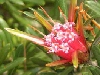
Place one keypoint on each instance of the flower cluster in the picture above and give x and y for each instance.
(64, 40)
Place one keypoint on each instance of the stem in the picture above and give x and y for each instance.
(71, 13)
(25, 66)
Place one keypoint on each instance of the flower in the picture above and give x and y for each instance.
(64, 40)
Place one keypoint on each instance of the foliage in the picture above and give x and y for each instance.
(21, 57)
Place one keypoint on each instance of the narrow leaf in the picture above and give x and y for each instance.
(96, 53)
(35, 2)
(19, 51)
(94, 70)
(48, 73)
(29, 14)
(94, 6)
(56, 13)
(26, 36)
(11, 65)
(63, 5)
(43, 21)
(19, 2)
(4, 52)
(97, 39)
(86, 71)
(67, 70)
(6, 35)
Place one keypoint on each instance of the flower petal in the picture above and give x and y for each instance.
(67, 56)
(78, 45)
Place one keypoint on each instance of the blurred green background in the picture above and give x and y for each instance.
(21, 57)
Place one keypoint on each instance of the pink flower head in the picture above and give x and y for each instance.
(64, 40)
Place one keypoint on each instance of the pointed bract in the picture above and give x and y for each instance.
(71, 13)
(75, 59)
(56, 63)
(80, 25)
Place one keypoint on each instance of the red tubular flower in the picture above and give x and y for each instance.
(64, 41)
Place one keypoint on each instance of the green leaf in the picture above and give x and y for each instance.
(31, 50)
(3, 53)
(27, 73)
(19, 2)
(7, 36)
(26, 36)
(94, 6)
(86, 71)
(16, 14)
(40, 58)
(2, 1)
(96, 52)
(35, 70)
(19, 51)
(3, 23)
(3, 39)
(12, 64)
(48, 73)
(63, 6)
(35, 2)
(56, 12)
(97, 39)
(94, 70)
(12, 8)
(29, 14)
(21, 19)
(67, 70)
(38, 61)
(49, 0)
